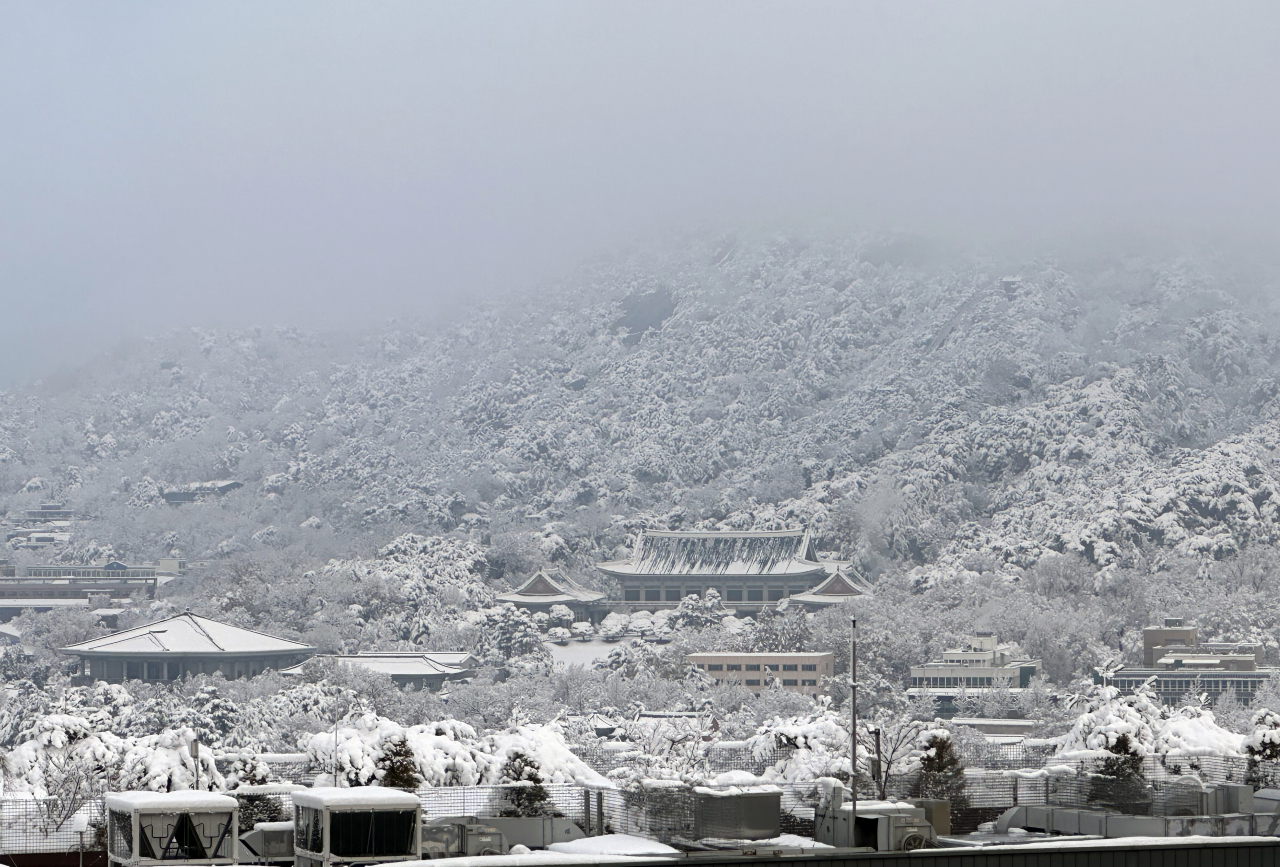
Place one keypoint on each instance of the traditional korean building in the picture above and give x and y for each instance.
(748, 570)
(185, 644)
(843, 584)
(406, 668)
(545, 589)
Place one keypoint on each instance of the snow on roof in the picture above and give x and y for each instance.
(543, 588)
(777, 552)
(366, 797)
(273, 826)
(536, 858)
(187, 801)
(613, 844)
(267, 789)
(403, 664)
(838, 587)
(188, 633)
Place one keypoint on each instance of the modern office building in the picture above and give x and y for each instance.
(67, 581)
(1176, 662)
(984, 664)
(796, 672)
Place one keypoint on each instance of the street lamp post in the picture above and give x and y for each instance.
(853, 726)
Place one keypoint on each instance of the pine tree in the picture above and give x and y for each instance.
(1119, 781)
(398, 765)
(941, 772)
(527, 797)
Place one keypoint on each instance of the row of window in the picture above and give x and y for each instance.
(750, 666)
(786, 681)
(49, 594)
(1182, 685)
(728, 594)
(956, 681)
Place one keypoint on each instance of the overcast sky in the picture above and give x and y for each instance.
(169, 164)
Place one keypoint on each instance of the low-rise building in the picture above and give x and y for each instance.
(50, 513)
(185, 644)
(197, 491)
(748, 570)
(63, 581)
(546, 589)
(1176, 662)
(421, 670)
(985, 664)
(796, 672)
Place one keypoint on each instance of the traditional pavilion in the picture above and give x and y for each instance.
(421, 670)
(748, 570)
(185, 644)
(547, 588)
(843, 584)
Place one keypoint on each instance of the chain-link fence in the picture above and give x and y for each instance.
(718, 758)
(1002, 756)
(676, 813)
(48, 825)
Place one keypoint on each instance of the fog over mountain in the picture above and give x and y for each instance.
(327, 166)
(341, 324)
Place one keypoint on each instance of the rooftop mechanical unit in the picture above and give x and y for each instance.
(156, 827)
(365, 825)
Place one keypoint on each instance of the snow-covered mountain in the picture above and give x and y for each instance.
(917, 407)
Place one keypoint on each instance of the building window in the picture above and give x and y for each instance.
(732, 667)
(788, 668)
(753, 682)
(652, 594)
(755, 594)
(808, 683)
(769, 666)
(753, 666)
(631, 594)
(734, 594)
(174, 672)
(716, 667)
(776, 593)
(795, 591)
(673, 594)
(154, 670)
(808, 668)
(789, 681)
(701, 666)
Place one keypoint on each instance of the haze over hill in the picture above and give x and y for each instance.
(912, 404)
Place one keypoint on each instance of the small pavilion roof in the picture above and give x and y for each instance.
(841, 585)
(781, 553)
(545, 588)
(188, 634)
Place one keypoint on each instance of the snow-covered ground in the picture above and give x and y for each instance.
(581, 652)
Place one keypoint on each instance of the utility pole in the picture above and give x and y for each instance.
(879, 775)
(853, 727)
(195, 760)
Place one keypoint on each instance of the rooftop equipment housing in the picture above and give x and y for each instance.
(366, 825)
(158, 827)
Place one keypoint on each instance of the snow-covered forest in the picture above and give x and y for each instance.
(1062, 449)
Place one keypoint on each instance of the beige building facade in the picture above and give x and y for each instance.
(795, 672)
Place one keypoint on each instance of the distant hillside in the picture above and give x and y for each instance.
(912, 405)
